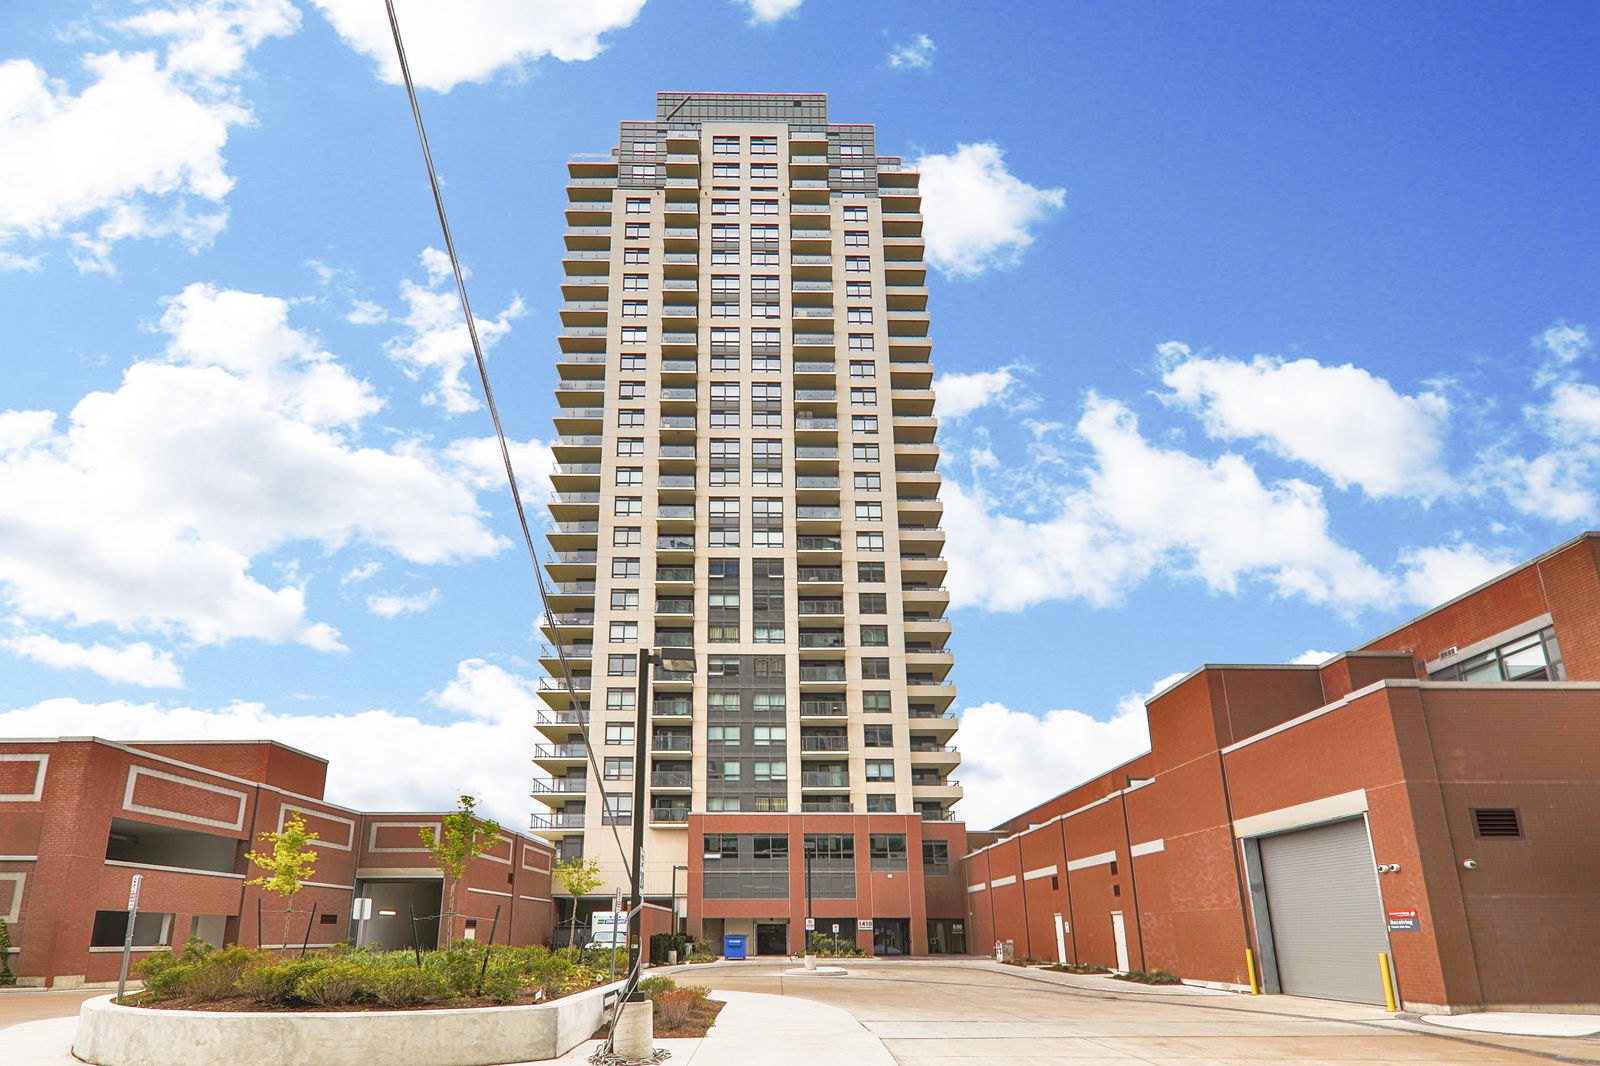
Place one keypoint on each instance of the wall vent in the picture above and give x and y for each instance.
(1496, 821)
(1448, 652)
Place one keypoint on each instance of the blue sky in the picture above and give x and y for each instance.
(1260, 328)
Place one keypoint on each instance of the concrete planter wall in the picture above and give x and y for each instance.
(113, 1035)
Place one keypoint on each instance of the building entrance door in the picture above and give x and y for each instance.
(772, 939)
(891, 936)
(1119, 930)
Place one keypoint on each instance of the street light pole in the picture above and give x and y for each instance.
(641, 756)
(676, 928)
(811, 918)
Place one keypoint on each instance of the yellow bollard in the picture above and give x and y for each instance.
(1250, 968)
(1388, 983)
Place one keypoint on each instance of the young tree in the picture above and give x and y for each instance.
(578, 877)
(287, 865)
(464, 836)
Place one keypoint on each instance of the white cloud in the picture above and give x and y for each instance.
(478, 461)
(212, 38)
(473, 40)
(365, 313)
(137, 153)
(1343, 421)
(978, 215)
(1435, 575)
(379, 760)
(1558, 484)
(770, 10)
(958, 395)
(916, 54)
(438, 347)
(1011, 760)
(133, 664)
(148, 509)
(1566, 343)
(1312, 657)
(363, 572)
(391, 606)
(1573, 414)
(1140, 508)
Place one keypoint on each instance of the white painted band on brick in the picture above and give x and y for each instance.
(1087, 861)
(43, 760)
(1327, 809)
(372, 838)
(19, 858)
(490, 892)
(380, 873)
(325, 884)
(350, 837)
(1001, 882)
(511, 847)
(1149, 847)
(1043, 871)
(979, 887)
(536, 899)
(136, 772)
(173, 869)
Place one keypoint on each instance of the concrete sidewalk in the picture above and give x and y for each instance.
(45, 1042)
(774, 1031)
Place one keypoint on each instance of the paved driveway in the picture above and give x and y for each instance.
(961, 1012)
(952, 1013)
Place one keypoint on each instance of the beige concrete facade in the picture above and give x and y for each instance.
(745, 380)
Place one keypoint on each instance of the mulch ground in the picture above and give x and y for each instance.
(700, 1019)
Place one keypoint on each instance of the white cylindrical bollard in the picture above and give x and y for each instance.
(635, 1033)
(811, 962)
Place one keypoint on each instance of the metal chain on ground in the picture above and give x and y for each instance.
(602, 1057)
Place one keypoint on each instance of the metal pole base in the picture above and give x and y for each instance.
(635, 1032)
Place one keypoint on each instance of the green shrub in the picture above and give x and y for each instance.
(701, 956)
(662, 943)
(194, 950)
(1151, 977)
(600, 958)
(459, 966)
(167, 982)
(7, 978)
(835, 947)
(504, 981)
(1077, 968)
(334, 986)
(279, 982)
(549, 974)
(407, 986)
(215, 976)
(654, 986)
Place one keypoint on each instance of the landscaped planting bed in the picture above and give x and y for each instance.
(463, 1007)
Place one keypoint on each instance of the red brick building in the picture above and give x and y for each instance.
(80, 815)
(1430, 797)
(890, 882)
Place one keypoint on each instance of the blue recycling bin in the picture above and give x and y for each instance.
(733, 947)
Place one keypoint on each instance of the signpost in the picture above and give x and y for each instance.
(127, 936)
(811, 925)
(1404, 921)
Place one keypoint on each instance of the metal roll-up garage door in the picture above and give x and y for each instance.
(1325, 912)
